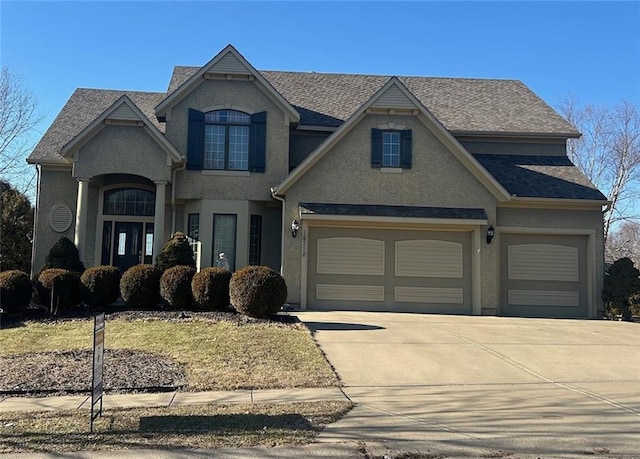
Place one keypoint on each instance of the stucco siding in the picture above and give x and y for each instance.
(56, 187)
(237, 95)
(124, 150)
(344, 175)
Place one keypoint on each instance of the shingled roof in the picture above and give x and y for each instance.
(540, 177)
(462, 105)
(82, 108)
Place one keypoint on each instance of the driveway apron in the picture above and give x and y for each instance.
(465, 383)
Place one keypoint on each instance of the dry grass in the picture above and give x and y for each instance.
(218, 355)
(196, 426)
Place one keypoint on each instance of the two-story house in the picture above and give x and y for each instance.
(439, 195)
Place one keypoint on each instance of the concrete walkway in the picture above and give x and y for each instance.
(453, 384)
(166, 399)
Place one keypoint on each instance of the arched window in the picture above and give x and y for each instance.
(129, 201)
(226, 140)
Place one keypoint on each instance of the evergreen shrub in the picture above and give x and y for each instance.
(140, 287)
(175, 287)
(210, 289)
(257, 291)
(176, 252)
(100, 286)
(15, 291)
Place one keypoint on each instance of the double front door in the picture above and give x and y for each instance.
(126, 244)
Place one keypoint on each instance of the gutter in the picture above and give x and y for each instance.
(284, 206)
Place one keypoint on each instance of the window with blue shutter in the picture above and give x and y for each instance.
(227, 140)
(391, 148)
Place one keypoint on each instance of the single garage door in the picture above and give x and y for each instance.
(544, 276)
(389, 270)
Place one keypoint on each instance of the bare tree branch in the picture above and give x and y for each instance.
(608, 153)
(18, 118)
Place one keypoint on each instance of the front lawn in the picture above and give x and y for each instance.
(217, 352)
(195, 426)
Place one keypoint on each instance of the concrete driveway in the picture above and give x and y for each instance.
(480, 385)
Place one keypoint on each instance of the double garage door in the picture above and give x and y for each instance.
(389, 270)
(543, 276)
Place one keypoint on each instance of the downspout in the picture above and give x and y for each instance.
(173, 197)
(284, 205)
(35, 219)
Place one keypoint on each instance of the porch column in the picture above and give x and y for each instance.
(158, 222)
(81, 216)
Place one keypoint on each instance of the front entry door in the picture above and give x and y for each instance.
(127, 247)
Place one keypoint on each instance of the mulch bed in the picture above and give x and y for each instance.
(125, 370)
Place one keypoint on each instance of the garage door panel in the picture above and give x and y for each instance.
(428, 258)
(350, 255)
(543, 262)
(345, 292)
(434, 295)
(544, 298)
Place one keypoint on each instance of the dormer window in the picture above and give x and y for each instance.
(226, 140)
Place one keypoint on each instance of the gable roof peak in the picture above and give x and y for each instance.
(227, 62)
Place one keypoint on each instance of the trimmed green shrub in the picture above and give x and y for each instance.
(175, 287)
(140, 287)
(100, 286)
(64, 255)
(63, 284)
(257, 291)
(15, 291)
(176, 252)
(210, 289)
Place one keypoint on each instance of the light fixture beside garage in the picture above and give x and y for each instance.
(294, 228)
(490, 233)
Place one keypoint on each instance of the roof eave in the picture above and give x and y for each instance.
(520, 135)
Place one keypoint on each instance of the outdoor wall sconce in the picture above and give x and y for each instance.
(490, 233)
(294, 228)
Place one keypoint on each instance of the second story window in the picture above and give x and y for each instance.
(226, 140)
(391, 148)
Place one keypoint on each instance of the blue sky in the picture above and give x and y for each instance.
(587, 49)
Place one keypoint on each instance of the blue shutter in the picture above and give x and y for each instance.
(405, 149)
(258, 142)
(376, 148)
(195, 141)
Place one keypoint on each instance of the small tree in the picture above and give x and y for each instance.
(16, 229)
(621, 283)
(64, 254)
(176, 252)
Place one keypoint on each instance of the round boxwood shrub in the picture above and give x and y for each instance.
(176, 252)
(15, 291)
(100, 286)
(63, 284)
(210, 289)
(140, 287)
(175, 287)
(257, 291)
